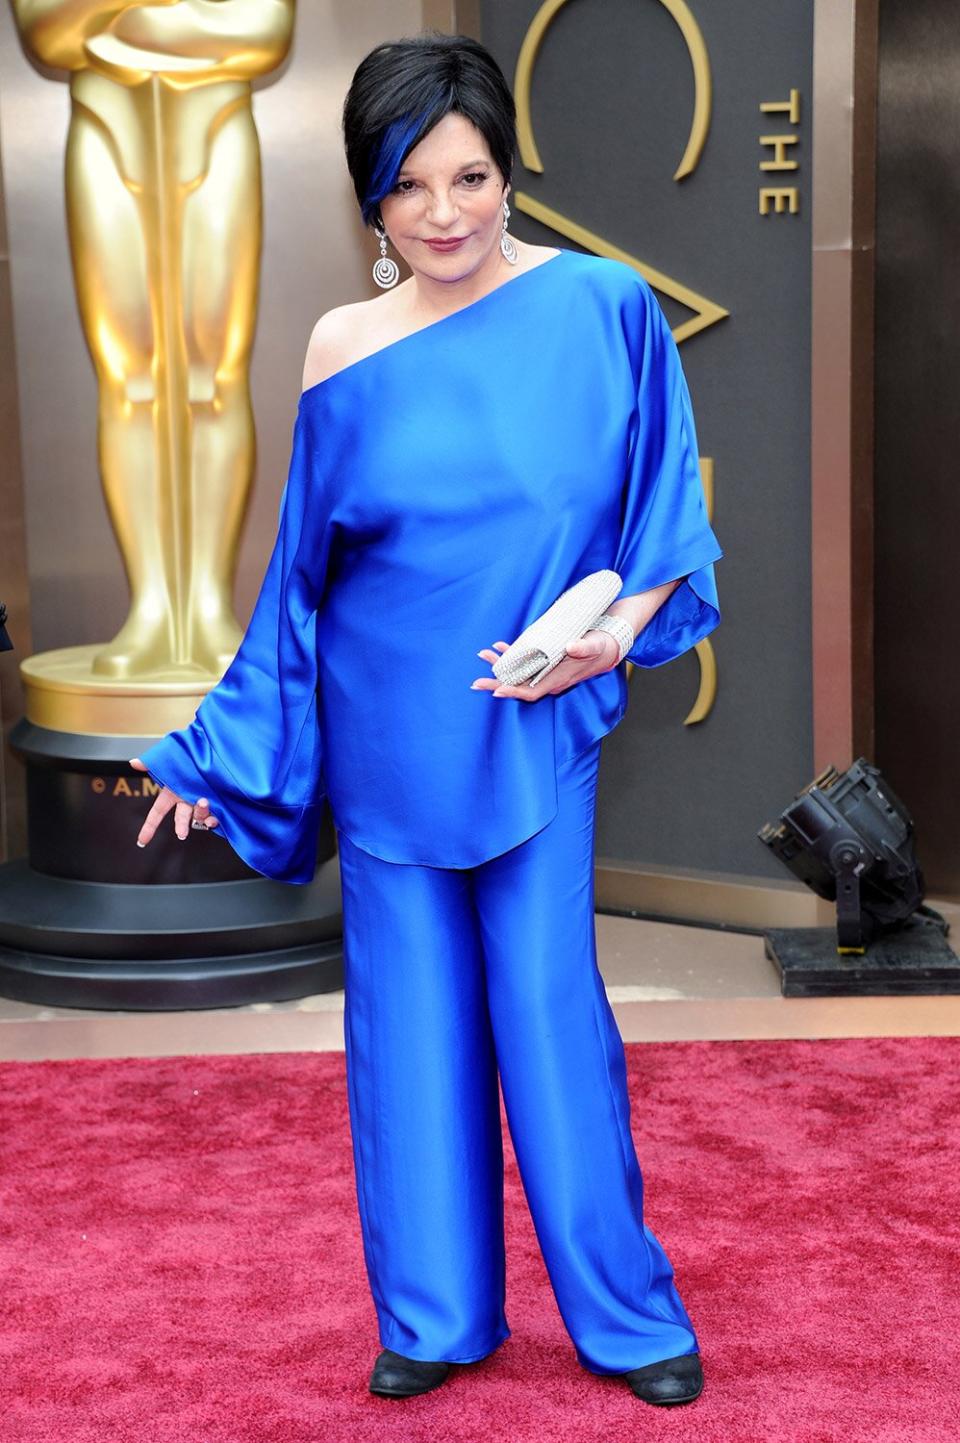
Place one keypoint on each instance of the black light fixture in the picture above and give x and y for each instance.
(851, 840)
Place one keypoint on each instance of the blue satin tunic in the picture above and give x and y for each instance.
(442, 492)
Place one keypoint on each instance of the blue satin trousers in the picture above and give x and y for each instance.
(451, 977)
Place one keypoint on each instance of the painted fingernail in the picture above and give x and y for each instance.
(201, 801)
(141, 844)
(475, 685)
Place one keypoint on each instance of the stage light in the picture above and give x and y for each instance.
(851, 840)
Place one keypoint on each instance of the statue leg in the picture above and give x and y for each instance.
(221, 247)
(113, 295)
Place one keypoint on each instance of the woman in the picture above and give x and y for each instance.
(467, 445)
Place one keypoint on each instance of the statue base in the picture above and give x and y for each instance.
(167, 948)
(91, 920)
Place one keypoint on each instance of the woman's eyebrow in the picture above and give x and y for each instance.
(466, 166)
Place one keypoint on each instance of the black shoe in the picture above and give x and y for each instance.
(395, 1376)
(671, 1380)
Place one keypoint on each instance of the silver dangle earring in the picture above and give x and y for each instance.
(506, 241)
(385, 270)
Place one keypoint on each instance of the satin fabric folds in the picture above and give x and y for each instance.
(441, 493)
(453, 979)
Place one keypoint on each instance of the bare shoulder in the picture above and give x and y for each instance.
(344, 334)
(328, 341)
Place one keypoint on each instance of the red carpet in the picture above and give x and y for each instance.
(181, 1255)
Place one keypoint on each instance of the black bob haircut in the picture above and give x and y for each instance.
(402, 88)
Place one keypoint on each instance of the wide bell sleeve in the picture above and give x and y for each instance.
(664, 530)
(254, 746)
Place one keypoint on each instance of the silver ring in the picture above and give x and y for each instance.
(200, 826)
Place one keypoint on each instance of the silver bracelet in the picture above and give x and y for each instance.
(619, 628)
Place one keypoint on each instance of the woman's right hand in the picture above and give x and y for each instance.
(184, 812)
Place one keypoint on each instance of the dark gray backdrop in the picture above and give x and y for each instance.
(612, 100)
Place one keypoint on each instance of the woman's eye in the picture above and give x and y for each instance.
(472, 175)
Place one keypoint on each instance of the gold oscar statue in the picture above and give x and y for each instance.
(163, 201)
(164, 220)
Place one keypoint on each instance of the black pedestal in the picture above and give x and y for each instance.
(913, 962)
(92, 920)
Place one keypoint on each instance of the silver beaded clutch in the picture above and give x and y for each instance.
(542, 645)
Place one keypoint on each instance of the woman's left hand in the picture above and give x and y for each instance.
(595, 652)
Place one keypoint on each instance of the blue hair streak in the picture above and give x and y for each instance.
(393, 147)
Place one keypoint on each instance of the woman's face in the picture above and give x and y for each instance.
(448, 187)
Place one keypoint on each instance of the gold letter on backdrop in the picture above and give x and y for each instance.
(163, 204)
